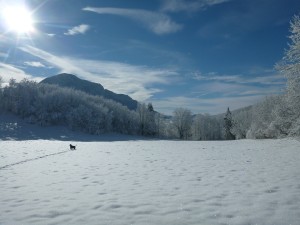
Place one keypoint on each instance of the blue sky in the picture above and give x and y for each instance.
(203, 55)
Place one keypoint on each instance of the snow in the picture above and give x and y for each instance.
(118, 179)
(150, 182)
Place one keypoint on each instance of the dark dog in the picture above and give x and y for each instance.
(72, 147)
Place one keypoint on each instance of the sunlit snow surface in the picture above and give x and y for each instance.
(150, 182)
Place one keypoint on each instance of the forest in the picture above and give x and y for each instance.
(274, 117)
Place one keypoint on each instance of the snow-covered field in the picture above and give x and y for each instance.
(150, 182)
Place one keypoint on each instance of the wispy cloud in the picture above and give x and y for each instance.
(189, 6)
(136, 81)
(217, 88)
(51, 35)
(157, 22)
(265, 79)
(8, 71)
(81, 29)
(35, 64)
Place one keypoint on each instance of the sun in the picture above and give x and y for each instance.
(18, 19)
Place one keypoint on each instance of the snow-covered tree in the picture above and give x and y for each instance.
(262, 118)
(182, 121)
(228, 125)
(147, 119)
(290, 67)
(242, 119)
(123, 120)
(282, 118)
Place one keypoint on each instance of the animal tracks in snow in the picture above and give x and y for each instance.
(32, 159)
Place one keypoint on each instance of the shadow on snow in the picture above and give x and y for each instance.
(14, 128)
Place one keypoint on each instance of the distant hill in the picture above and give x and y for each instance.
(72, 81)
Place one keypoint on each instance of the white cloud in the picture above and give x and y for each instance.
(233, 89)
(35, 64)
(81, 29)
(265, 79)
(8, 71)
(136, 81)
(189, 6)
(159, 23)
(51, 35)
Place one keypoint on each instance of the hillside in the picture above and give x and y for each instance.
(13, 128)
(72, 81)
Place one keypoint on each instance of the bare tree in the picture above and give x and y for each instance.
(206, 127)
(182, 121)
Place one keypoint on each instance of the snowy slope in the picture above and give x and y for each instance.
(150, 182)
(14, 128)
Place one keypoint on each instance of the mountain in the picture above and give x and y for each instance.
(72, 81)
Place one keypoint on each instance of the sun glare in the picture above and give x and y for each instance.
(18, 19)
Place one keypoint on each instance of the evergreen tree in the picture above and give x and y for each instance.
(228, 125)
(150, 107)
(151, 125)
